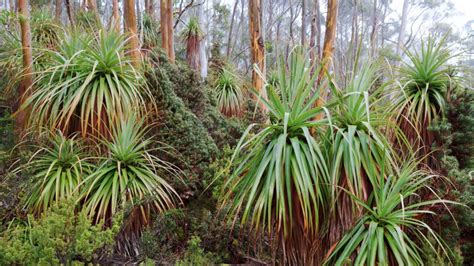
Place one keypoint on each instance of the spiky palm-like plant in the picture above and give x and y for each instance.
(425, 78)
(130, 176)
(45, 32)
(357, 146)
(229, 94)
(192, 34)
(88, 87)
(390, 230)
(58, 170)
(151, 37)
(279, 179)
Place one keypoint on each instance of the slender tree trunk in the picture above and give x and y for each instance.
(401, 33)
(70, 12)
(163, 26)
(166, 17)
(229, 39)
(257, 47)
(138, 10)
(58, 10)
(92, 6)
(115, 15)
(202, 48)
(151, 8)
(169, 16)
(27, 80)
(328, 49)
(318, 26)
(303, 22)
(373, 35)
(312, 39)
(130, 28)
(12, 6)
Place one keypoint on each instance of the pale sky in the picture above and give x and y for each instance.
(464, 12)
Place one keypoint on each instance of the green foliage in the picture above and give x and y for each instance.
(229, 94)
(425, 79)
(130, 174)
(151, 36)
(59, 168)
(279, 177)
(58, 236)
(195, 255)
(167, 235)
(88, 87)
(189, 120)
(386, 233)
(87, 21)
(357, 149)
(192, 29)
(10, 54)
(46, 33)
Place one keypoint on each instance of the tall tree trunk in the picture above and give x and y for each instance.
(115, 15)
(328, 49)
(229, 39)
(169, 16)
(318, 26)
(202, 48)
(373, 35)
(27, 80)
(163, 26)
(167, 38)
(138, 10)
(58, 9)
(303, 22)
(401, 33)
(257, 47)
(92, 6)
(130, 21)
(70, 12)
(12, 6)
(151, 8)
(312, 39)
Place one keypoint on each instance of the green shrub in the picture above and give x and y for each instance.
(58, 236)
(195, 255)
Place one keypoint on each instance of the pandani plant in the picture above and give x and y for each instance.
(424, 81)
(391, 231)
(327, 193)
(192, 35)
(129, 176)
(279, 178)
(356, 144)
(88, 86)
(58, 168)
(229, 94)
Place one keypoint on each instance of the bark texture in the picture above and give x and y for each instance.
(257, 47)
(328, 49)
(130, 20)
(27, 80)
